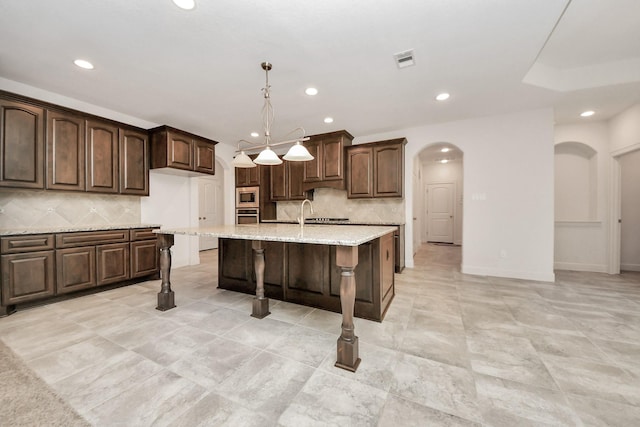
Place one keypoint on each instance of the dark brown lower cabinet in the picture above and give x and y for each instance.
(27, 276)
(75, 268)
(144, 258)
(112, 263)
(39, 266)
(307, 274)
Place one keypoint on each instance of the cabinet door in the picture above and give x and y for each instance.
(248, 177)
(388, 167)
(279, 181)
(180, 151)
(360, 172)
(332, 158)
(102, 157)
(134, 162)
(65, 151)
(21, 145)
(144, 258)
(75, 269)
(312, 168)
(27, 277)
(295, 177)
(112, 262)
(205, 157)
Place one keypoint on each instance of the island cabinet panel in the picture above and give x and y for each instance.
(237, 273)
(134, 162)
(307, 274)
(27, 277)
(65, 151)
(76, 269)
(102, 157)
(21, 145)
(307, 271)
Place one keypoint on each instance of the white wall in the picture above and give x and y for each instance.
(625, 130)
(581, 243)
(508, 190)
(630, 227)
(439, 173)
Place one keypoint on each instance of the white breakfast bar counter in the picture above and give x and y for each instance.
(345, 238)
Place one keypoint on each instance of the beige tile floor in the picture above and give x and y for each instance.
(453, 350)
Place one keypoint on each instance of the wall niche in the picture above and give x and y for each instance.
(576, 178)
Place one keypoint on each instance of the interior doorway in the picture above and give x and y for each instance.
(625, 191)
(210, 206)
(440, 201)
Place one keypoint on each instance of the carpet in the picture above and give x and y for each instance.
(26, 400)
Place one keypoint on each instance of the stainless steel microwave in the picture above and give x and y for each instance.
(248, 197)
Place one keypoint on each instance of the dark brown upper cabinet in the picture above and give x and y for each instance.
(182, 151)
(327, 167)
(65, 151)
(21, 145)
(102, 157)
(375, 169)
(249, 177)
(134, 162)
(286, 182)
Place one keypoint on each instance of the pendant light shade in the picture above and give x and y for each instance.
(298, 153)
(243, 161)
(268, 157)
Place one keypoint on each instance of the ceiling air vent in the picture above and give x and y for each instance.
(404, 59)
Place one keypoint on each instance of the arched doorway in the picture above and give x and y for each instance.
(438, 191)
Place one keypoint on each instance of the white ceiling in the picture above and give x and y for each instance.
(200, 70)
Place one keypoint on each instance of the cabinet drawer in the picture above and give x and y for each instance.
(29, 243)
(143, 234)
(70, 240)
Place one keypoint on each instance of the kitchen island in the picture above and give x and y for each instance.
(344, 241)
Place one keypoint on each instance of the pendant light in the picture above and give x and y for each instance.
(297, 153)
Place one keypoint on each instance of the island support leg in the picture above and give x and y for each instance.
(347, 354)
(166, 298)
(260, 303)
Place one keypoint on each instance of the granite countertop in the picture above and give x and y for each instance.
(345, 222)
(72, 228)
(340, 235)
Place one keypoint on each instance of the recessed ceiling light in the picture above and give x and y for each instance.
(255, 134)
(185, 4)
(83, 64)
(442, 97)
(328, 119)
(311, 91)
(444, 161)
(445, 150)
(587, 113)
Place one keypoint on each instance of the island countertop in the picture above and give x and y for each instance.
(339, 235)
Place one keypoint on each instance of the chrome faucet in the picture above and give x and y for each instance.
(301, 217)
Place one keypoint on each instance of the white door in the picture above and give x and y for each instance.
(440, 212)
(210, 209)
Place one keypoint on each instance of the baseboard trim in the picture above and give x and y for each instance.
(511, 274)
(577, 266)
(630, 267)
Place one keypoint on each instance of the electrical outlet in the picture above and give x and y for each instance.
(503, 253)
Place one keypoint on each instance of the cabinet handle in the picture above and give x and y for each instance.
(387, 254)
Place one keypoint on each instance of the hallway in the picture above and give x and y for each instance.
(453, 349)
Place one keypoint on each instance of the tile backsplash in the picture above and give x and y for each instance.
(25, 209)
(333, 203)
